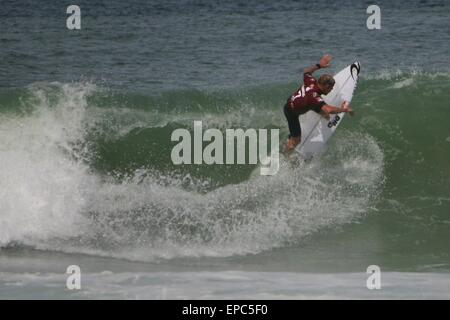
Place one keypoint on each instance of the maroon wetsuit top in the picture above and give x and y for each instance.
(307, 97)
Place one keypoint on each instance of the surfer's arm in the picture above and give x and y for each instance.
(323, 63)
(311, 69)
(325, 115)
(333, 110)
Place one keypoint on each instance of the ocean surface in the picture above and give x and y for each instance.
(86, 176)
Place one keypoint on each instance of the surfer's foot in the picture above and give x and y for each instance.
(287, 150)
(291, 144)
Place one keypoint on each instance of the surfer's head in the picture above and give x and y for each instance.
(326, 83)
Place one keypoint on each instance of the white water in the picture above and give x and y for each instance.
(225, 285)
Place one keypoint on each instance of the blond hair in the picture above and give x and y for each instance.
(326, 80)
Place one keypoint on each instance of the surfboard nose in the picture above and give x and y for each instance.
(355, 67)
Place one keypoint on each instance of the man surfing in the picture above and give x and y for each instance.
(307, 98)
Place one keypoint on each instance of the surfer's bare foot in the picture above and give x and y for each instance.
(291, 144)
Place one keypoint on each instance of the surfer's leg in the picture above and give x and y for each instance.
(295, 131)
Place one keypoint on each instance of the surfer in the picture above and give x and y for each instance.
(307, 98)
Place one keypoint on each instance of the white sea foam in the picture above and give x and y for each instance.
(225, 285)
(43, 186)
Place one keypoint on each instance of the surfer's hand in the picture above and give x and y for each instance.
(325, 61)
(346, 107)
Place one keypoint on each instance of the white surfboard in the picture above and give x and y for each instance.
(316, 130)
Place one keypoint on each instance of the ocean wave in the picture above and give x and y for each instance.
(53, 197)
(86, 169)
